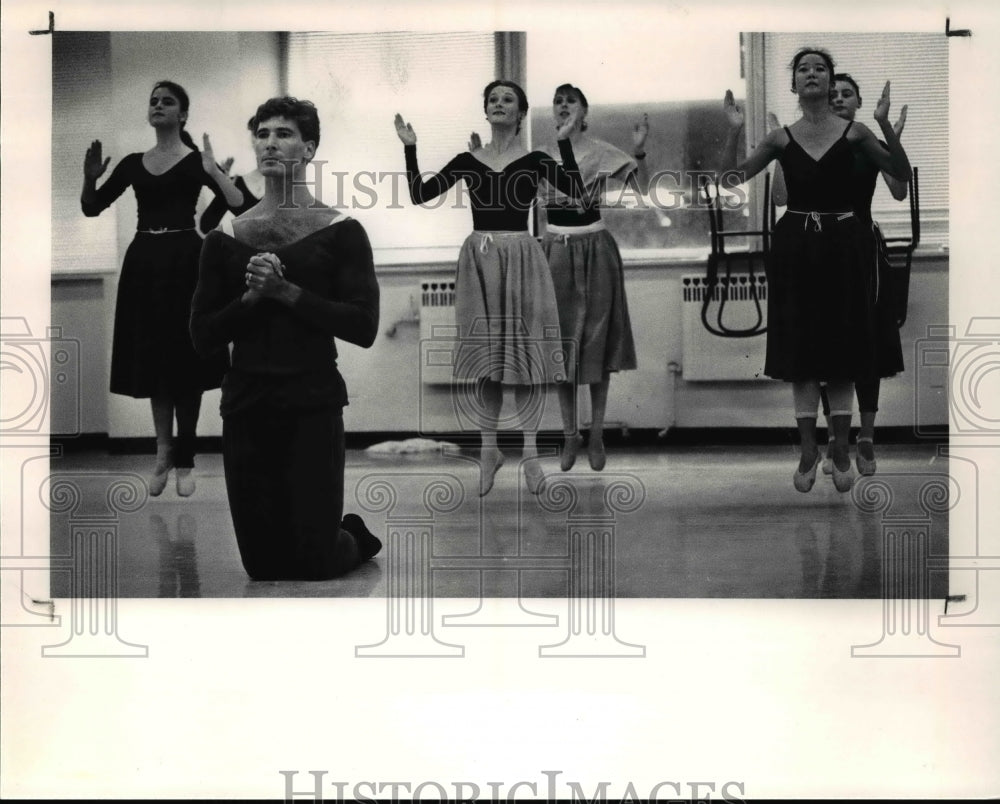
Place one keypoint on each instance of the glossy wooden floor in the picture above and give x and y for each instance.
(656, 523)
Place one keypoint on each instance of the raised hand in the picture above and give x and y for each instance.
(474, 142)
(94, 164)
(734, 114)
(405, 131)
(227, 165)
(639, 133)
(207, 157)
(882, 107)
(898, 127)
(568, 125)
(773, 124)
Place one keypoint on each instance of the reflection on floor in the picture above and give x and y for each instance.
(656, 523)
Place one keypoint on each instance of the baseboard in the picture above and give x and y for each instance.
(614, 437)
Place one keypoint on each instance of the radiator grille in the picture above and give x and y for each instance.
(438, 332)
(708, 356)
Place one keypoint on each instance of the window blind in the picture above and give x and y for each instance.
(359, 81)
(917, 66)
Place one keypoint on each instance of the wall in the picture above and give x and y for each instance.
(387, 395)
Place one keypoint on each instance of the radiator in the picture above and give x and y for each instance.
(707, 356)
(438, 332)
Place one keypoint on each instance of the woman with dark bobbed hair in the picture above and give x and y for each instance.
(279, 283)
(505, 305)
(151, 355)
(821, 318)
(845, 100)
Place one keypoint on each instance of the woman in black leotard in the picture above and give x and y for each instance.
(846, 100)
(505, 304)
(821, 320)
(152, 356)
(280, 282)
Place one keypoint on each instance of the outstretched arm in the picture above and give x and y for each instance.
(233, 196)
(566, 177)
(436, 184)
(894, 161)
(768, 150)
(217, 208)
(94, 201)
(637, 179)
(779, 191)
(896, 187)
(213, 214)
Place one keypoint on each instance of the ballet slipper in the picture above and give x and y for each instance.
(369, 544)
(158, 480)
(488, 466)
(828, 460)
(534, 476)
(803, 481)
(866, 465)
(571, 446)
(185, 483)
(843, 480)
(596, 454)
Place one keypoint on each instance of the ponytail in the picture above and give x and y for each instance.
(187, 139)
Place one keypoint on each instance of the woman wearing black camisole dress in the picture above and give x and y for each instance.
(152, 355)
(845, 99)
(821, 321)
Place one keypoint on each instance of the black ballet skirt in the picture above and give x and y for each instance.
(152, 353)
(821, 274)
(890, 349)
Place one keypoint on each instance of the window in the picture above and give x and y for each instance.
(435, 80)
(674, 78)
(81, 97)
(359, 82)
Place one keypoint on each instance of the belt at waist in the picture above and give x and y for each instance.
(817, 218)
(485, 237)
(587, 228)
(163, 230)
